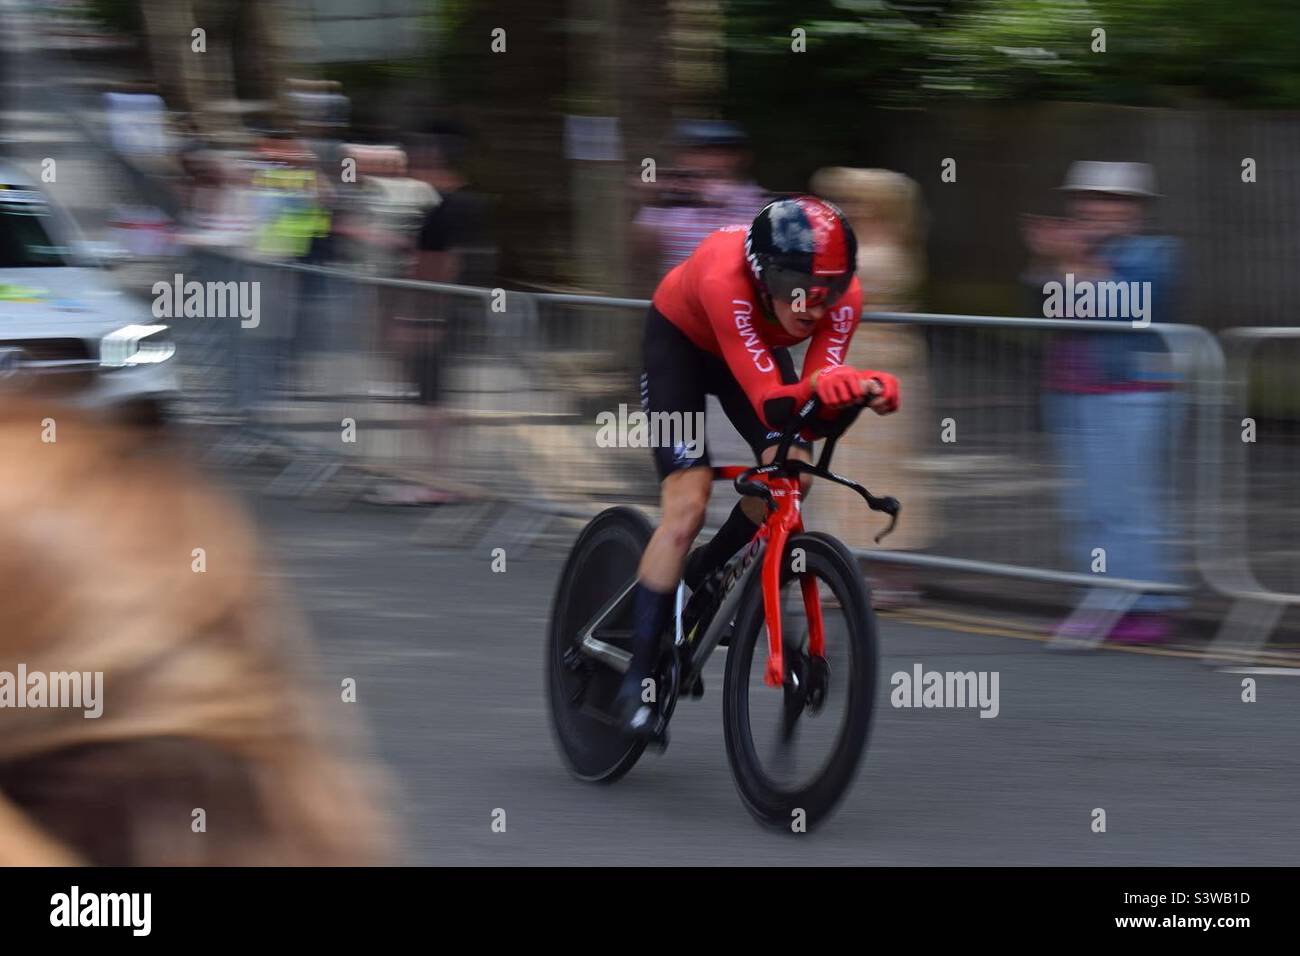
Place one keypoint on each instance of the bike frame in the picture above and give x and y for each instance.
(777, 484)
(783, 522)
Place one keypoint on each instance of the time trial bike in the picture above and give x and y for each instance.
(803, 590)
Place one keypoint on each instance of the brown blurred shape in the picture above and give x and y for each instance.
(205, 699)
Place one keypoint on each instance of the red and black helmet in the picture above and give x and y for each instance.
(801, 243)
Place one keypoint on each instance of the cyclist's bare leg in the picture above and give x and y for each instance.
(684, 496)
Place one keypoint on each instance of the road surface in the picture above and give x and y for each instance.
(447, 655)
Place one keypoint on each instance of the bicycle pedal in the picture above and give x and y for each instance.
(697, 689)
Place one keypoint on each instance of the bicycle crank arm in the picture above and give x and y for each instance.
(609, 655)
(610, 606)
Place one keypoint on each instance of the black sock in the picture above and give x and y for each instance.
(731, 537)
(651, 612)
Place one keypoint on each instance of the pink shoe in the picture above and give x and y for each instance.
(1141, 628)
(1080, 630)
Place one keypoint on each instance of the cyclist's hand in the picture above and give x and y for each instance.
(882, 389)
(841, 387)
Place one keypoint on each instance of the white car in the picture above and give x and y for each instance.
(65, 328)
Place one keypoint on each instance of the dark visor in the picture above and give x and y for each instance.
(784, 284)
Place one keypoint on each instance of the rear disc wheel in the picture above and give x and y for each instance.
(580, 689)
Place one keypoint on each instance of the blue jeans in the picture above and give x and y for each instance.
(1115, 451)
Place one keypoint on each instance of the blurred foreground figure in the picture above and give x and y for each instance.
(202, 704)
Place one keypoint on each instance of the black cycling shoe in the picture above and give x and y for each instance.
(636, 717)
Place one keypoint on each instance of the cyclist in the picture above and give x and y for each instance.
(721, 323)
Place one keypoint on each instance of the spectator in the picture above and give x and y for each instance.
(454, 246)
(137, 123)
(320, 112)
(707, 190)
(382, 213)
(380, 218)
(286, 218)
(287, 198)
(1110, 401)
(216, 214)
(137, 127)
(455, 242)
(884, 210)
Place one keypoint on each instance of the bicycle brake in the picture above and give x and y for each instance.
(889, 506)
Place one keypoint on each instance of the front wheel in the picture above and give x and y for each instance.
(794, 750)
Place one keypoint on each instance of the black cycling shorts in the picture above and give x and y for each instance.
(677, 376)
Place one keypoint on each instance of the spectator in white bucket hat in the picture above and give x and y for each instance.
(1111, 401)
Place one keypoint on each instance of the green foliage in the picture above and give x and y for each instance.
(1158, 52)
(120, 16)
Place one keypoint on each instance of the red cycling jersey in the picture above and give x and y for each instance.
(711, 298)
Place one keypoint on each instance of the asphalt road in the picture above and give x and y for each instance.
(447, 655)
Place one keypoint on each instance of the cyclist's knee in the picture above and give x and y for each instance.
(684, 512)
(685, 519)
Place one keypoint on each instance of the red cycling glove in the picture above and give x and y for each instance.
(888, 390)
(840, 387)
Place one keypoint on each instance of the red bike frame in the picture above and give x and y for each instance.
(777, 528)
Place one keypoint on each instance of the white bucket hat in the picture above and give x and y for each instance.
(1118, 179)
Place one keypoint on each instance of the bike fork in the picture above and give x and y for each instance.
(775, 673)
(786, 522)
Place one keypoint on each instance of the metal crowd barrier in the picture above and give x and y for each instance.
(493, 396)
(1250, 556)
(483, 394)
(1009, 493)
